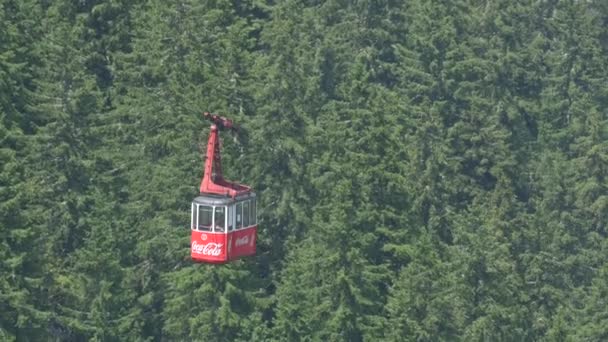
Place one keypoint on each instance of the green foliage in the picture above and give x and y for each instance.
(426, 170)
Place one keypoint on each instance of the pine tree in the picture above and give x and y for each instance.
(186, 58)
(567, 174)
(354, 135)
(22, 252)
(72, 91)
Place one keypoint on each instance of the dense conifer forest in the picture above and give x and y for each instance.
(427, 170)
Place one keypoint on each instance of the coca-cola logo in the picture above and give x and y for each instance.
(210, 248)
(243, 240)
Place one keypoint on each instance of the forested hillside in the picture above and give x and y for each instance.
(427, 170)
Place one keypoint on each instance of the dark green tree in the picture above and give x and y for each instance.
(22, 265)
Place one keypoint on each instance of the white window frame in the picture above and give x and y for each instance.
(198, 217)
(192, 223)
(248, 213)
(225, 219)
(237, 213)
(231, 218)
(253, 206)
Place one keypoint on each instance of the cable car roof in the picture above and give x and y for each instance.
(217, 200)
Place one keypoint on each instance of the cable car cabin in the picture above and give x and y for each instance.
(223, 220)
(223, 228)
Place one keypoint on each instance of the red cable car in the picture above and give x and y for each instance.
(224, 220)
